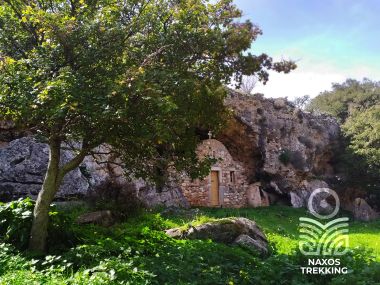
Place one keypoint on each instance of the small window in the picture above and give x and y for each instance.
(213, 154)
(232, 176)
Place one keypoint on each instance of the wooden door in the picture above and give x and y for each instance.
(214, 195)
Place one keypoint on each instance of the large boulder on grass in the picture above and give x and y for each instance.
(239, 231)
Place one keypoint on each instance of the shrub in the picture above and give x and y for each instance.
(120, 198)
(285, 156)
(295, 158)
(16, 220)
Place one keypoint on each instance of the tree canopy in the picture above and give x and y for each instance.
(356, 105)
(346, 98)
(143, 76)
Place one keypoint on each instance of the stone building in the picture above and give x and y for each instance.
(226, 185)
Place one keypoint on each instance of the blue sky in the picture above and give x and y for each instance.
(331, 40)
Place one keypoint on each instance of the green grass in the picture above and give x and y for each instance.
(280, 224)
(138, 252)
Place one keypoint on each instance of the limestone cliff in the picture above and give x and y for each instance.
(284, 148)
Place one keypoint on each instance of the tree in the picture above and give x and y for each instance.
(142, 76)
(346, 98)
(301, 102)
(248, 83)
(356, 105)
(363, 129)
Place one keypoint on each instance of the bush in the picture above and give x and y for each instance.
(16, 221)
(295, 158)
(120, 198)
(284, 156)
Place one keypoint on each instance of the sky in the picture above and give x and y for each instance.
(330, 40)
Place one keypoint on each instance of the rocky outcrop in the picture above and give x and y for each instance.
(240, 231)
(23, 163)
(363, 212)
(280, 145)
(169, 196)
(299, 197)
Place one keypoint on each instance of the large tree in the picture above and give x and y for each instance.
(356, 105)
(347, 98)
(140, 75)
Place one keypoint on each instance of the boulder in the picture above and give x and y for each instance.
(300, 197)
(252, 244)
(169, 196)
(296, 200)
(228, 231)
(102, 218)
(265, 199)
(363, 212)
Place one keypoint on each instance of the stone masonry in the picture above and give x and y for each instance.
(233, 184)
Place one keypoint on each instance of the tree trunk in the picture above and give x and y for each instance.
(52, 181)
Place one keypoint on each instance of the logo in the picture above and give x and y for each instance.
(324, 235)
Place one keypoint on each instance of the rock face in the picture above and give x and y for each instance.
(240, 231)
(280, 146)
(23, 164)
(169, 196)
(363, 212)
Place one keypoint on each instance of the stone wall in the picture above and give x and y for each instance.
(233, 183)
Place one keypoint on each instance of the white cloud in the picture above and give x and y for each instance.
(311, 79)
(297, 84)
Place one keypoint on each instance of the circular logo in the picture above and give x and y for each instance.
(323, 203)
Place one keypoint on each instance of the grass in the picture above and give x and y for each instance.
(138, 252)
(280, 224)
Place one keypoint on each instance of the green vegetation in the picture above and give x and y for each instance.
(138, 252)
(143, 76)
(347, 98)
(285, 156)
(356, 105)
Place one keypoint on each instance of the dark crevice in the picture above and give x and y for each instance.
(21, 182)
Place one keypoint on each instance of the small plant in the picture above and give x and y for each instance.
(285, 156)
(294, 158)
